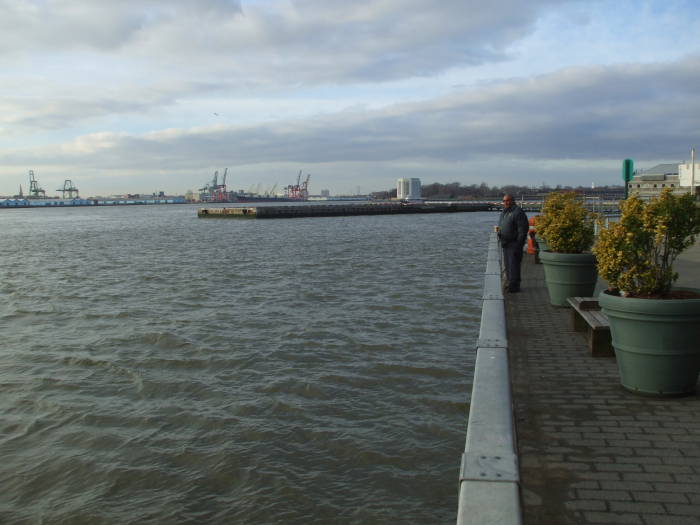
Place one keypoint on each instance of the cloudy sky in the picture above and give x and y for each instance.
(155, 95)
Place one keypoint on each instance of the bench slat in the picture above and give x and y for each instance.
(596, 319)
(583, 303)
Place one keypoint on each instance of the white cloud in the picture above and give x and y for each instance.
(583, 115)
(117, 93)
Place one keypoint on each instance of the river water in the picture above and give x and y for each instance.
(159, 368)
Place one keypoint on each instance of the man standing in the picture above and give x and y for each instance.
(512, 233)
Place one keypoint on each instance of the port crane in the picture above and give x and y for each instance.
(219, 190)
(68, 188)
(300, 190)
(34, 189)
(215, 192)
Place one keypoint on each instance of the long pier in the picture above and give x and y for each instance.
(588, 451)
(335, 210)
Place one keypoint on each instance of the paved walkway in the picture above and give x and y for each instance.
(591, 452)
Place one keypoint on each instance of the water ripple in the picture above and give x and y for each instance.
(157, 368)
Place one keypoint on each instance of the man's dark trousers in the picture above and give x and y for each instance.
(512, 257)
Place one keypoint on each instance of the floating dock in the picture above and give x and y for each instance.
(335, 210)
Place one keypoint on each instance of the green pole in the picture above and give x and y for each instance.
(627, 174)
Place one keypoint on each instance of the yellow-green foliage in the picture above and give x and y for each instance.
(636, 254)
(565, 223)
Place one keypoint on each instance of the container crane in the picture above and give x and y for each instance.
(304, 190)
(68, 188)
(299, 190)
(34, 189)
(219, 190)
(213, 191)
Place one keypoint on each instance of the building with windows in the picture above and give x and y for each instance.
(651, 182)
(408, 189)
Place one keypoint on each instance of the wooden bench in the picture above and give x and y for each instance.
(587, 317)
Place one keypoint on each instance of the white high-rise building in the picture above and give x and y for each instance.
(689, 173)
(408, 189)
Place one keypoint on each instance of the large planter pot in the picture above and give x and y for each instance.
(656, 342)
(541, 243)
(569, 275)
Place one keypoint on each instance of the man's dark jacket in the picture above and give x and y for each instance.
(513, 225)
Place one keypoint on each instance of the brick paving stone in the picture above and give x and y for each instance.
(672, 469)
(582, 504)
(590, 451)
(656, 519)
(647, 461)
(626, 485)
(661, 497)
(690, 510)
(687, 478)
(612, 518)
(606, 495)
(687, 488)
(636, 507)
(654, 477)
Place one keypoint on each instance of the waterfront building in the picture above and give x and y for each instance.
(651, 182)
(681, 178)
(408, 189)
(689, 175)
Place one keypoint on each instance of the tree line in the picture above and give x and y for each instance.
(456, 191)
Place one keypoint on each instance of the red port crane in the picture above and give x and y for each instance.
(299, 190)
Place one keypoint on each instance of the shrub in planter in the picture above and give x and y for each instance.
(568, 229)
(539, 238)
(636, 254)
(655, 328)
(566, 224)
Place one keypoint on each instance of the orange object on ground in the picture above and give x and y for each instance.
(531, 244)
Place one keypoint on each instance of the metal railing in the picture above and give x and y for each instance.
(489, 477)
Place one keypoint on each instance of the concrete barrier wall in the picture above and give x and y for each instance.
(489, 476)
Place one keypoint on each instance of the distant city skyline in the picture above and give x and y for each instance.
(141, 97)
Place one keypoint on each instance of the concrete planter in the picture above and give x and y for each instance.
(568, 275)
(656, 342)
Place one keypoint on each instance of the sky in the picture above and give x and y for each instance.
(139, 96)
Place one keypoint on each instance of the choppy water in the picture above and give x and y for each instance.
(159, 368)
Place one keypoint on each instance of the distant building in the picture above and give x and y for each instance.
(689, 175)
(408, 189)
(651, 182)
(325, 193)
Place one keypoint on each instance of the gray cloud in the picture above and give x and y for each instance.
(75, 61)
(304, 41)
(647, 112)
(52, 25)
